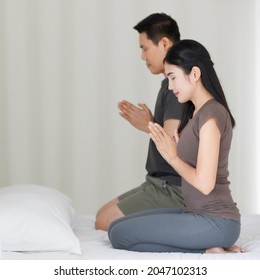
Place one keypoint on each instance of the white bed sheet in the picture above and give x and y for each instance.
(96, 246)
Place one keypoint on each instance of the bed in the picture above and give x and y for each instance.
(40, 223)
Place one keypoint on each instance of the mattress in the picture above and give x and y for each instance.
(95, 245)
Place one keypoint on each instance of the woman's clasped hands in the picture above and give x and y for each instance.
(165, 144)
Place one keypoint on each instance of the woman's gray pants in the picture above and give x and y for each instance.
(172, 230)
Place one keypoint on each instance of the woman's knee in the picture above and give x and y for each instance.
(116, 234)
(121, 233)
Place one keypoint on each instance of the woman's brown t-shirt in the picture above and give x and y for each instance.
(219, 202)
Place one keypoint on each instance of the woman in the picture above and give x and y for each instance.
(210, 220)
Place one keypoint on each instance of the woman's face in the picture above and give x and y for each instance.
(181, 84)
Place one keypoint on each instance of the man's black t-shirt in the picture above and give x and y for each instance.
(166, 107)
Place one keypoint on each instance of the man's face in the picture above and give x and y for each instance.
(152, 54)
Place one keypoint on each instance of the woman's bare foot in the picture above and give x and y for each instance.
(235, 249)
(216, 250)
(220, 250)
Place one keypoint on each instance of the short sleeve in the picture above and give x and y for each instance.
(217, 112)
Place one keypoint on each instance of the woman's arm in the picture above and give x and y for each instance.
(170, 126)
(203, 177)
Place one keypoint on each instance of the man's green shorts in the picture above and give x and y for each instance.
(152, 194)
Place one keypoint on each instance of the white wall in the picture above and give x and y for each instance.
(64, 65)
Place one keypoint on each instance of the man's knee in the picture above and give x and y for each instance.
(105, 218)
(100, 222)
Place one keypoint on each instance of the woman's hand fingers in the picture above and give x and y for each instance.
(156, 131)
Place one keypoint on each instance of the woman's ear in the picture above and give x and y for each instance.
(196, 73)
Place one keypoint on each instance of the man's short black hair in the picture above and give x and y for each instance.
(159, 25)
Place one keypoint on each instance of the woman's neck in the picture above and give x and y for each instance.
(200, 99)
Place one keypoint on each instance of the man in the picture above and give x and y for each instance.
(161, 189)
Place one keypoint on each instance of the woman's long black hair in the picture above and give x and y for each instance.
(189, 53)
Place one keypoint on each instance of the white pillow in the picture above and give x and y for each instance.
(36, 218)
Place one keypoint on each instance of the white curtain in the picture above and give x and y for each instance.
(64, 65)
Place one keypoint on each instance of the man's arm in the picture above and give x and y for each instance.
(138, 116)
